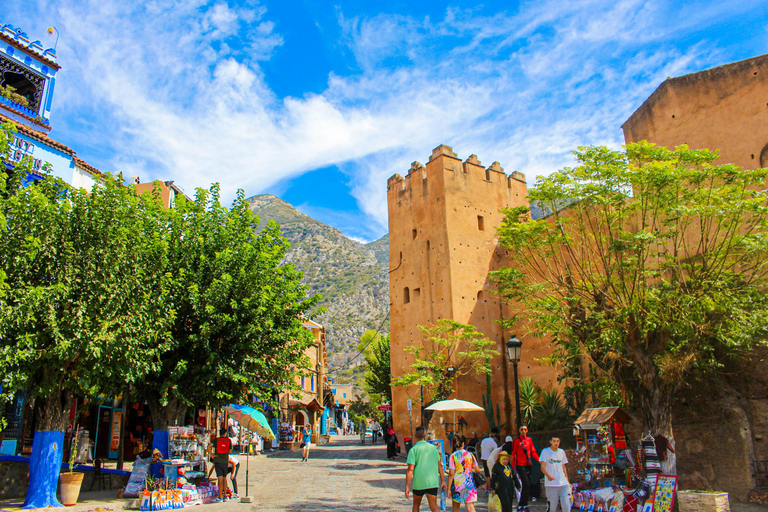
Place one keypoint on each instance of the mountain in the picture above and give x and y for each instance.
(351, 276)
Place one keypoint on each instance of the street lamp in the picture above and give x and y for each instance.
(514, 347)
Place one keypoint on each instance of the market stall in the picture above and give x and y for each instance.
(610, 474)
(601, 439)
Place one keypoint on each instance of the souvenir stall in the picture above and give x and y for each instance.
(184, 482)
(602, 453)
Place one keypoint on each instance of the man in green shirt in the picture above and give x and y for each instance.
(425, 471)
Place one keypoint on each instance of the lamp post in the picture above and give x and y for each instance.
(514, 347)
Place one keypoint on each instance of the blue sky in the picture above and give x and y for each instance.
(320, 102)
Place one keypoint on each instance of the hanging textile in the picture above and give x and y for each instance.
(618, 436)
(652, 464)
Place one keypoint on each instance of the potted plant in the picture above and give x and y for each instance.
(70, 482)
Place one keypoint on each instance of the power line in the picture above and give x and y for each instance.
(361, 351)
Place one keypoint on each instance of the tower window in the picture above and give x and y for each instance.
(480, 223)
(406, 295)
(414, 232)
(416, 293)
(488, 175)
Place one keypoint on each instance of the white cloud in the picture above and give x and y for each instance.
(180, 92)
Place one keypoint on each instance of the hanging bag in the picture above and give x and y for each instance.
(478, 478)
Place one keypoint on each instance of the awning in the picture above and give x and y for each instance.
(310, 405)
(596, 417)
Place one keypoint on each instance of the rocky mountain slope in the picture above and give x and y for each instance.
(351, 276)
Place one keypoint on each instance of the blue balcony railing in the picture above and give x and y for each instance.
(24, 110)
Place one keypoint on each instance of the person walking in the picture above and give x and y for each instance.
(504, 482)
(472, 443)
(391, 443)
(306, 443)
(221, 448)
(553, 461)
(425, 472)
(461, 466)
(234, 468)
(523, 455)
(486, 448)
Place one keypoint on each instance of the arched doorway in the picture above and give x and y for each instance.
(301, 419)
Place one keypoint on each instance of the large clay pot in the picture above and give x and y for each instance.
(69, 487)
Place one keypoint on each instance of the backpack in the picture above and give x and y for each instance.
(223, 445)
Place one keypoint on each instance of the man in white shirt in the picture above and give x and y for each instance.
(487, 446)
(553, 461)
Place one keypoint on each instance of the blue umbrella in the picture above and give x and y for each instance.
(253, 420)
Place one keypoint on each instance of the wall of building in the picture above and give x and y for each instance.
(442, 221)
(723, 108)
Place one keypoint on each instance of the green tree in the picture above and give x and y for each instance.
(237, 332)
(84, 312)
(378, 374)
(654, 272)
(448, 350)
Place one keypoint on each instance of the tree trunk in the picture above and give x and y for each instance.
(48, 450)
(655, 397)
(164, 416)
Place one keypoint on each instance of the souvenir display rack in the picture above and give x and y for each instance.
(596, 441)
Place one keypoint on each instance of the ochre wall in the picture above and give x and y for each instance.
(448, 261)
(723, 108)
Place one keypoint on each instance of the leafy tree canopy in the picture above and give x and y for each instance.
(448, 350)
(85, 311)
(654, 271)
(237, 331)
(378, 374)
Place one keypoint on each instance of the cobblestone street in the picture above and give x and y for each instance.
(343, 475)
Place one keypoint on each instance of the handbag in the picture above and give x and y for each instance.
(302, 445)
(478, 478)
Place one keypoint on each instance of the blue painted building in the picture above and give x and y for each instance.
(27, 82)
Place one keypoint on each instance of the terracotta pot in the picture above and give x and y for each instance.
(69, 487)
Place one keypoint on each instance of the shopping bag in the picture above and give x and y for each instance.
(146, 501)
(630, 504)
(494, 503)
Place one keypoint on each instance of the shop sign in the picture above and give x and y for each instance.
(114, 443)
(21, 148)
(385, 407)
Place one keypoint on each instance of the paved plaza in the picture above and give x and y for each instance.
(341, 476)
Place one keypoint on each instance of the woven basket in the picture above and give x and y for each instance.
(697, 501)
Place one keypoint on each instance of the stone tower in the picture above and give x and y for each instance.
(442, 229)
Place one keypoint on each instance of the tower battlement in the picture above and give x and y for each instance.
(444, 159)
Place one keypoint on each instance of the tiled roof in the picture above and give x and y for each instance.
(38, 135)
(26, 49)
(45, 139)
(88, 167)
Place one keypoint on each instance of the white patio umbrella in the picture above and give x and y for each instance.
(454, 405)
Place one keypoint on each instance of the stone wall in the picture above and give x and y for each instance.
(14, 479)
